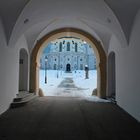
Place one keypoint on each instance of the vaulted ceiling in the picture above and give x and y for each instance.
(14, 11)
(125, 11)
(9, 12)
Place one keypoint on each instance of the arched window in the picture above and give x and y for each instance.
(54, 67)
(76, 47)
(60, 47)
(68, 46)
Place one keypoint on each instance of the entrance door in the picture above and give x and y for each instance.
(68, 68)
(23, 70)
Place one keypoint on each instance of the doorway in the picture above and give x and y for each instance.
(23, 70)
(68, 68)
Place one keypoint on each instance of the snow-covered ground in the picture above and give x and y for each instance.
(54, 78)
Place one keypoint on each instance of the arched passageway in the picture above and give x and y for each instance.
(111, 76)
(97, 47)
(23, 70)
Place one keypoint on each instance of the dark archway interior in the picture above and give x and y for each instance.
(68, 68)
(111, 76)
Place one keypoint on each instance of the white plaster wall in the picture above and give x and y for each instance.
(9, 69)
(128, 72)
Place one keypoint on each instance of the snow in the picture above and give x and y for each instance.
(81, 87)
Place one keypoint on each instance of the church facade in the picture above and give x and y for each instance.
(68, 54)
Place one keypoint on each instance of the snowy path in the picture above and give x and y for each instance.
(70, 84)
(84, 87)
(67, 87)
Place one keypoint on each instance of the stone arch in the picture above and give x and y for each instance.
(98, 49)
(111, 75)
(23, 70)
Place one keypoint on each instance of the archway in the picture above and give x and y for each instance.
(23, 70)
(68, 68)
(111, 76)
(97, 47)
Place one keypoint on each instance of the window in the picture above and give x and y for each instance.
(76, 47)
(68, 46)
(81, 66)
(60, 47)
(54, 67)
(21, 61)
